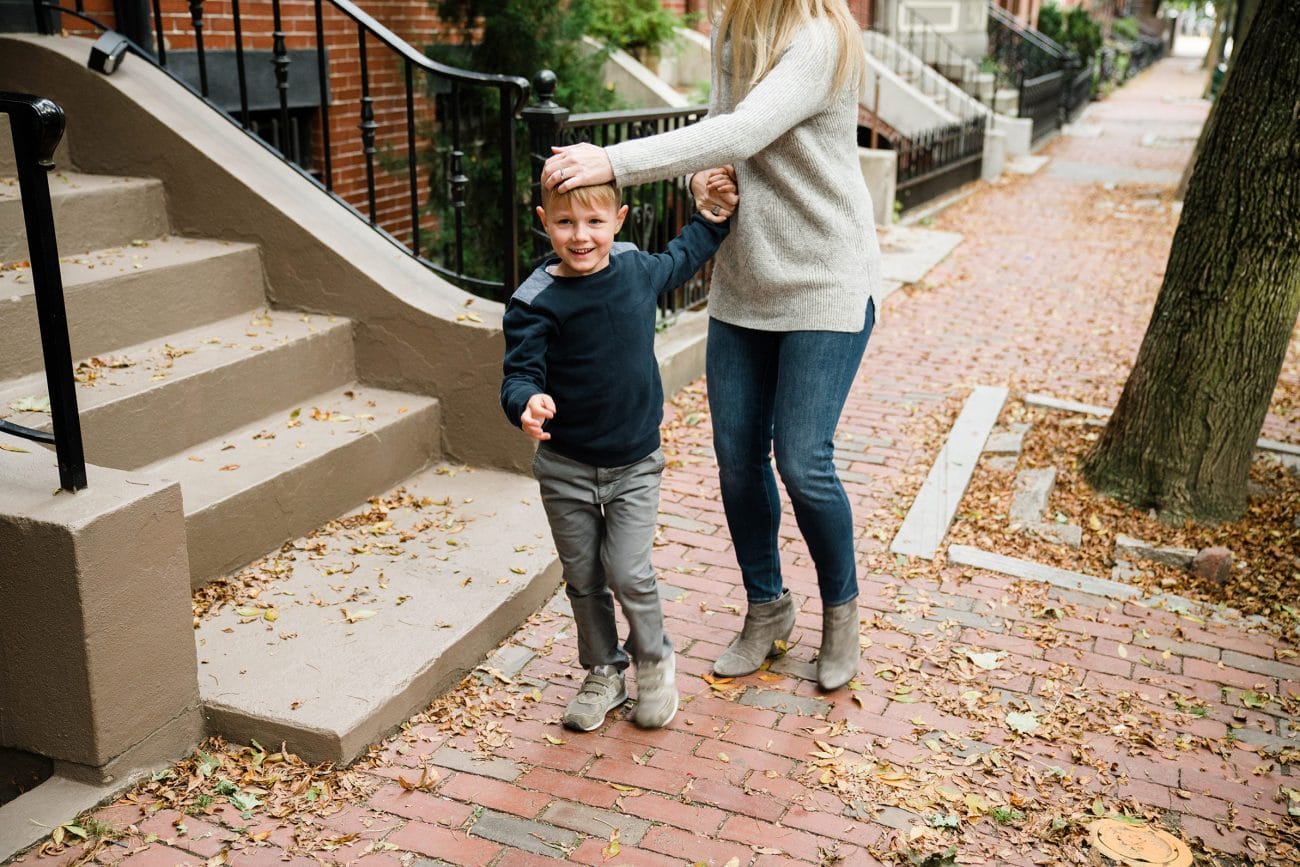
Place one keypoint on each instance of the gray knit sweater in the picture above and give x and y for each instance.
(802, 254)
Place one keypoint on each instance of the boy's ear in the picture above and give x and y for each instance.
(541, 215)
(619, 217)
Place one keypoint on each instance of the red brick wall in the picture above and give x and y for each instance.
(410, 19)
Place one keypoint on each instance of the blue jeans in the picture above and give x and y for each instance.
(784, 389)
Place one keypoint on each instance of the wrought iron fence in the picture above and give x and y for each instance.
(657, 211)
(1078, 91)
(36, 125)
(1033, 64)
(383, 129)
(938, 160)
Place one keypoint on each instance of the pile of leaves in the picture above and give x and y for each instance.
(250, 790)
(1265, 541)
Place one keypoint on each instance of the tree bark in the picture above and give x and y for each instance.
(1183, 434)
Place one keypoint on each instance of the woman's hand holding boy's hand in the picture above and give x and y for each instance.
(716, 193)
(540, 408)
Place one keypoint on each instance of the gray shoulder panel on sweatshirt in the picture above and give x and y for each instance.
(532, 287)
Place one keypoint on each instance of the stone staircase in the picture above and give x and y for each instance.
(890, 60)
(185, 373)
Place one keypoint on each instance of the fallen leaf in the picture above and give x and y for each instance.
(1024, 723)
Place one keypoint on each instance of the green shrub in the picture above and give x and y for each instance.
(638, 27)
(1074, 29)
(513, 37)
(1125, 28)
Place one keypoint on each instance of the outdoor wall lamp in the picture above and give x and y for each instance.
(108, 52)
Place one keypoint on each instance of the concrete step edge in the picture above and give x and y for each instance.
(90, 212)
(194, 385)
(249, 490)
(390, 659)
(124, 296)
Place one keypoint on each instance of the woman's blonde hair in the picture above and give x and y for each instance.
(761, 30)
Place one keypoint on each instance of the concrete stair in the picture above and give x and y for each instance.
(90, 212)
(119, 296)
(378, 612)
(295, 469)
(185, 374)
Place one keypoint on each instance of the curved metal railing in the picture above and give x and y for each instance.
(36, 125)
(404, 167)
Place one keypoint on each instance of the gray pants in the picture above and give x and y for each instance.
(603, 521)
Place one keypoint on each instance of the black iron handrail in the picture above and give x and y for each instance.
(657, 211)
(36, 125)
(1021, 52)
(460, 126)
(1036, 38)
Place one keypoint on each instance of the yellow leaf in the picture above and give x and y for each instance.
(1122, 651)
(270, 615)
(723, 757)
(623, 788)
(613, 847)
(9, 448)
(552, 739)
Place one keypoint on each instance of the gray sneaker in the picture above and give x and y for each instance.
(656, 693)
(602, 691)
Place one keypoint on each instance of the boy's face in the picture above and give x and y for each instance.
(581, 235)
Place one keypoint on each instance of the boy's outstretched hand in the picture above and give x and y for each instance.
(716, 193)
(540, 408)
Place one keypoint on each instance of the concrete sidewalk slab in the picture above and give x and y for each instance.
(908, 253)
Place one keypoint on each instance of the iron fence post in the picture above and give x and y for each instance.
(545, 119)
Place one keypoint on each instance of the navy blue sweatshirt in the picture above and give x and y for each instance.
(589, 342)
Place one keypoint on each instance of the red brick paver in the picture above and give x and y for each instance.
(765, 770)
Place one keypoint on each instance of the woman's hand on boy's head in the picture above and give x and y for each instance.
(580, 165)
(540, 408)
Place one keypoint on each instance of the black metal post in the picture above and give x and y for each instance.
(509, 195)
(196, 19)
(36, 125)
(368, 126)
(133, 22)
(280, 60)
(323, 76)
(44, 17)
(544, 120)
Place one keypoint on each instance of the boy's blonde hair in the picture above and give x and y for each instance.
(761, 30)
(596, 196)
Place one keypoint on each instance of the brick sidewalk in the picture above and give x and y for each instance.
(1141, 712)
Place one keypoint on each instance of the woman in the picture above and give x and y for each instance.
(791, 304)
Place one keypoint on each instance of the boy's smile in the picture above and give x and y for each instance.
(581, 234)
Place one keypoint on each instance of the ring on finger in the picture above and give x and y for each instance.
(717, 210)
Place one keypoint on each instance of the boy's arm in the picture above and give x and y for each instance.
(528, 333)
(686, 253)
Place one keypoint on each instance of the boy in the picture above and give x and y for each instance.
(582, 379)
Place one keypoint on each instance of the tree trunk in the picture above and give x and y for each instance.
(1218, 36)
(1183, 434)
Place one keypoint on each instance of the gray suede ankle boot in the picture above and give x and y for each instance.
(765, 623)
(838, 660)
